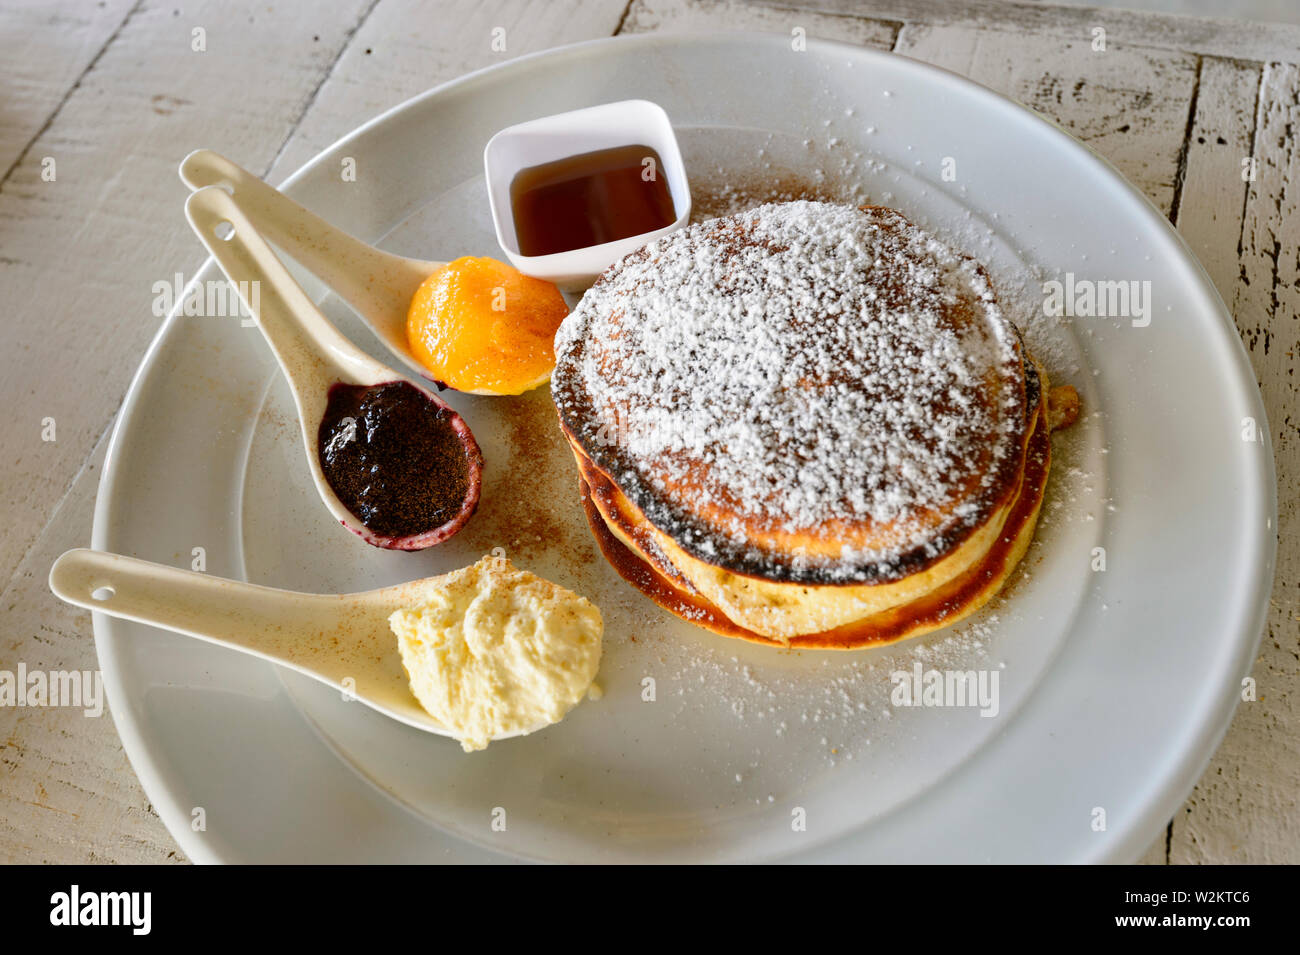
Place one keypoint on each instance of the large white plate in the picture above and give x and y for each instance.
(1115, 685)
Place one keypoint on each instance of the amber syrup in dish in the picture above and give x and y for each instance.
(590, 199)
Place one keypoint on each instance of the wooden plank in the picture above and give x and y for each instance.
(81, 252)
(1129, 104)
(407, 46)
(1245, 808)
(1208, 211)
(1212, 189)
(39, 75)
(67, 792)
(691, 16)
(1232, 39)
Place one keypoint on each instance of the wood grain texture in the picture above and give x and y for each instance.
(46, 47)
(1176, 103)
(690, 16)
(1212, 190)
(1233, 39)
(1131, 104)
(407, 46)
(67, 792)
(1245, 807)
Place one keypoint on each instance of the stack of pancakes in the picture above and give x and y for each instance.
(808, 425)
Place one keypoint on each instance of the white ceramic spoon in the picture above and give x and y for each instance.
(342, 640)
(312, 353)
(378, 285)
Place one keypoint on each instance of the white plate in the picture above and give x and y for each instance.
(1115, 686)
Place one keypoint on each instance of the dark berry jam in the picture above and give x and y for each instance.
(394, 458)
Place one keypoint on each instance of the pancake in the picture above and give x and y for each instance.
(807, 424)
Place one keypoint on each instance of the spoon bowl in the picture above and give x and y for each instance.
(313, 354)
(342, 640)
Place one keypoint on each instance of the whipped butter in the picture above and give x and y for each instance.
(497, 650)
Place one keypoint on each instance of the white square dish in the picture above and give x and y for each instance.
(625, 123)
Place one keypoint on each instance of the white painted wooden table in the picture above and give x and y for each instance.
(102, 99)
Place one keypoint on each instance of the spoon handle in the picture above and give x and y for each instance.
(378, 285)
(342, 640)
(262, 621)
(299, 335)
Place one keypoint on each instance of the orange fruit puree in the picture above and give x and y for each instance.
(480, 325)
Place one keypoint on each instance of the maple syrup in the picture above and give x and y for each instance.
(590, 199)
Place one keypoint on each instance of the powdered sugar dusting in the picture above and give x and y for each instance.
(803, 368)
